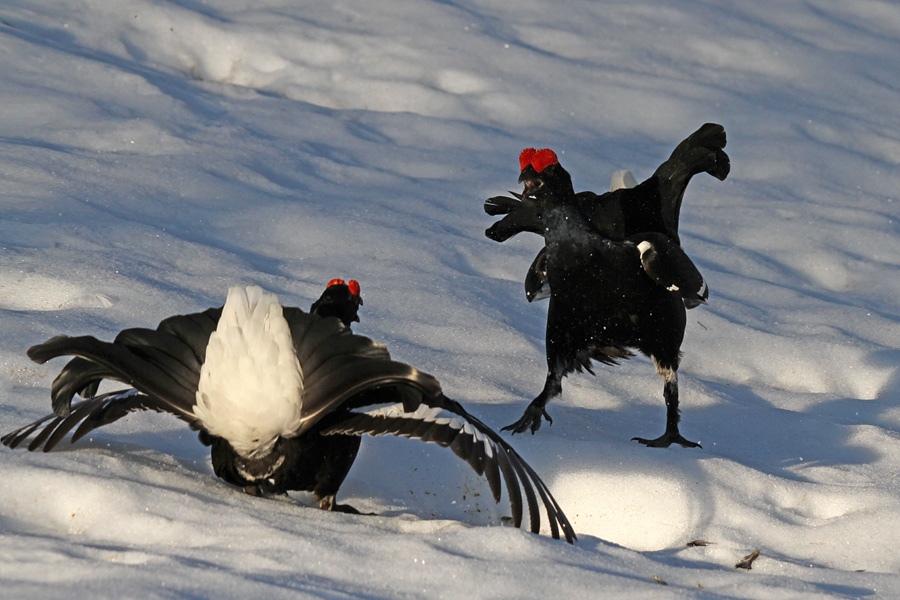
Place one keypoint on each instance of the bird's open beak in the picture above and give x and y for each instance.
(531, 185)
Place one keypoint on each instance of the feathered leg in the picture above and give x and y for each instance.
(333, 470)
(673, 415)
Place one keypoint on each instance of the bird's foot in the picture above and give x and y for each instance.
(346, 508)
(328, 503)
(666, 440)
(531, 419)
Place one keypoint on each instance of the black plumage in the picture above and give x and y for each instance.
(350, 387)
(654, 205)
(607, 295)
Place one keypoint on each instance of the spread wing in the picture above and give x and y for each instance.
(522, 213)
(653, 205)
(164, 364)
(406, 410)
(701, 152)
(90, 413)
(438, 419)
(351, 386)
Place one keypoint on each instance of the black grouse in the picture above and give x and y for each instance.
(281, 396)
(653, 205)
(606, 295)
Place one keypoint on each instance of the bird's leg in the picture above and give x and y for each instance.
(339, 453)
(531, 418)
(673, 416)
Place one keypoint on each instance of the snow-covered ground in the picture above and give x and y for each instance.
(155, 152)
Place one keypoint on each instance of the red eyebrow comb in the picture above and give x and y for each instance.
(525, 157)
(352, 284)
(543, 158)
(538, 159)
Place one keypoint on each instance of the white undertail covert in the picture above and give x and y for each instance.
(251, 384)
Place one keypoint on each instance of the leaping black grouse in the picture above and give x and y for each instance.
(606, 295)
(280, 396)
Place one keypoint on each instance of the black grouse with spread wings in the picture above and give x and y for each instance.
(281, 396)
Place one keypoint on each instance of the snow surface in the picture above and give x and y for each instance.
(154, 153)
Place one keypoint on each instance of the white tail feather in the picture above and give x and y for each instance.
(251, 384)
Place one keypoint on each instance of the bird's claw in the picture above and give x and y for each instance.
(328, 503)
(346, 508)
(666, 440)
(531, 419)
